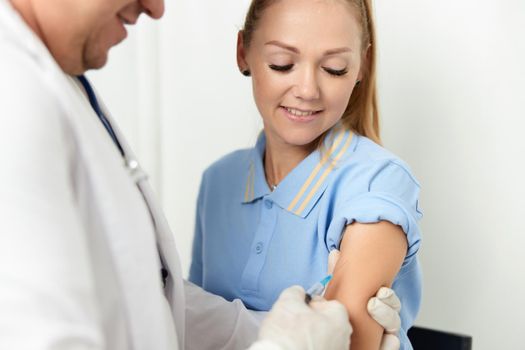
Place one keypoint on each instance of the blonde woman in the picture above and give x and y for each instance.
(317, 179)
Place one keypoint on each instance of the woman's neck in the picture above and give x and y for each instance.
(280, 159)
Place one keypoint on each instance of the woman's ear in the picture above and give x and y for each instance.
(365, 63)
(241, 54)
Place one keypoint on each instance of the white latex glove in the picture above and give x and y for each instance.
(384, 308)
(291, 324)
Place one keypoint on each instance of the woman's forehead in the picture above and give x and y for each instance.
(308, 21)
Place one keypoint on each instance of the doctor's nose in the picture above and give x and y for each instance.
(307, 86)
(153, 8)
(132, 11)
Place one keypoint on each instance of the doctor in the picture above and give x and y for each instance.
(87, 260)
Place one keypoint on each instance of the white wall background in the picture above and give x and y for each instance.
(452, 91)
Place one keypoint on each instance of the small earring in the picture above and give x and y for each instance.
(246, 73)
(357, 83)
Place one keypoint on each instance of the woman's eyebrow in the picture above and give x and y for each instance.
(337, 50)
(296, 50)
(283, 46)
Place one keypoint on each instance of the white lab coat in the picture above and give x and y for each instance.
(80, 244)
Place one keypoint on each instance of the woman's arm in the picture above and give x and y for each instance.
(371, 256)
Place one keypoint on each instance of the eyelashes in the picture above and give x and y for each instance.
(288, 67)
(284, 68)
(336, 72)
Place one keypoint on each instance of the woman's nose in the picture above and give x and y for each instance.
(307, 86)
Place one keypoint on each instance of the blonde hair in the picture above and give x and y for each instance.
(361, 114)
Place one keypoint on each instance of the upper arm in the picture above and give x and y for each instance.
(379, 233)
(46, 281)
(371, 256)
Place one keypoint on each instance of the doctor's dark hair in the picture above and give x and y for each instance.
(361, 114)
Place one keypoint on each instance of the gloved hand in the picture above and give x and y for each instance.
(384, 308)
(291, 324)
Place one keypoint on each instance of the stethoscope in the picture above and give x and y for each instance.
(134, 169)
(137, 174)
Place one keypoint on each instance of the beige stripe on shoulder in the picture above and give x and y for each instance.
(249, 184)
(316, 170)
(325, 174)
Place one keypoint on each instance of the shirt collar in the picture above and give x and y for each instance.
(256, 186)
(300, 190)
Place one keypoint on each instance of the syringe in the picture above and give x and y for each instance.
(316, 289)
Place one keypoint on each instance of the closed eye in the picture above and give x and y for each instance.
(336, 72)
(281, 68)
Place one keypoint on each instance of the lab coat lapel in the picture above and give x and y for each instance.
(174, 289)
(149, 323)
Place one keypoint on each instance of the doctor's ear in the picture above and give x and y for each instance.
(241, 55)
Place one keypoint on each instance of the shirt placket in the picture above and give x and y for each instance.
(259, 247)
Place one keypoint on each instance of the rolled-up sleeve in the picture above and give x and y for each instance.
(392, 195)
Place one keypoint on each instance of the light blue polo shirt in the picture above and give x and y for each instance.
(251, 243)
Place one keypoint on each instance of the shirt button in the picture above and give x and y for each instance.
(268, 204)
(259, 247)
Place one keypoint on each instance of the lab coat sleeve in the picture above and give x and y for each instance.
(216, 324)
(47, 297)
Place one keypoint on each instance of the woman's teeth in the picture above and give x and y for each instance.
(299, 113)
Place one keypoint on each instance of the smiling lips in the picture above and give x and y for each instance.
(123, 22)
(300, 115)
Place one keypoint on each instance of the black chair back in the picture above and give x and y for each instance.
(430, 339)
